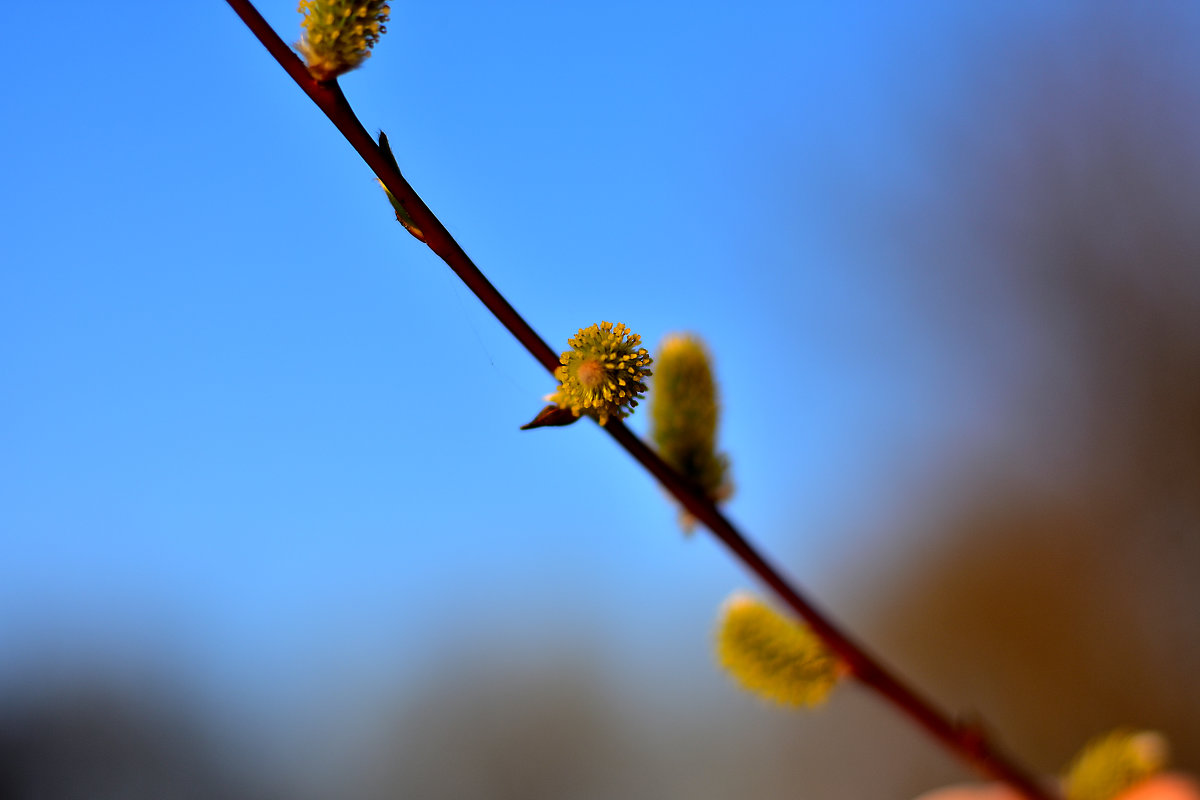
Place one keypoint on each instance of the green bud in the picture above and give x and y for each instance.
(604, 372)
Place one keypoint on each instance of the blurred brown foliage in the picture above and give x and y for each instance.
(93, 738)
(1058, 593)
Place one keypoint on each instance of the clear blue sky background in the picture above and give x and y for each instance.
(250, 427)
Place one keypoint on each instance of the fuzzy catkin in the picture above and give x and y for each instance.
(772, 656)
(684, 413)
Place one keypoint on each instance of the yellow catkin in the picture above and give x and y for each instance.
(339, 34)
(774, 657)
(1111, 764)
(604, 372)
(684, 415)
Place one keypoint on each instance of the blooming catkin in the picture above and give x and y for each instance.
(339, 34)
(603, 373)
(774, 657)
(1112, 763)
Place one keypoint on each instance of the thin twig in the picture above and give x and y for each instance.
(968, 742)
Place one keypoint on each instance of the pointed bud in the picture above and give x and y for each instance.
(402, 215)
(551, 416)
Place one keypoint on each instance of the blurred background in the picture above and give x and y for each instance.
(268, 527)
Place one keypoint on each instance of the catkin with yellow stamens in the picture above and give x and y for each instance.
(1113, 763)
(604, 372)
(339, 34)
(774, 657)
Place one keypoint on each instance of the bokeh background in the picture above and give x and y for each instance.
(268, 527)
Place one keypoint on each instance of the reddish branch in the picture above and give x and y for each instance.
(968, 742)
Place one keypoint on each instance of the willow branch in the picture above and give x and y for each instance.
(968, 742)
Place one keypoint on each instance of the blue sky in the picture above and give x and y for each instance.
(250, 427)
